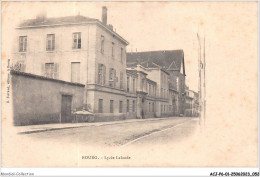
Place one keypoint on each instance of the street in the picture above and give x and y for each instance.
(150, 131)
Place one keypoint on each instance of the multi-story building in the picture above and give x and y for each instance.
(144, 91)
(167, 69)
(77, 49)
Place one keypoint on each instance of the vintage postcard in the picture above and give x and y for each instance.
(129, 84)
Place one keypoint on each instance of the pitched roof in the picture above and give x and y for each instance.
(167, 59)
(55, 21)
(68, 20)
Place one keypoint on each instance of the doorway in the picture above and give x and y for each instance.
(66, 102)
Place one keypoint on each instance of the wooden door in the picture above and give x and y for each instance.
(66, 101)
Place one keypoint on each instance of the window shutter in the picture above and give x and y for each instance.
(53, 42)
(20, 44)
(56, 71)
(104, 74)
(98, 74)
(115, 78)
(25, 45)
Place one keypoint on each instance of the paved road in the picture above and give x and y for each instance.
(125, 134)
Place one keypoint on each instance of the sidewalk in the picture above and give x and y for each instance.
(50, 127)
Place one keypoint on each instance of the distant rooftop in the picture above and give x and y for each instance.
(56, 21)
(166, 59)
(68, 20)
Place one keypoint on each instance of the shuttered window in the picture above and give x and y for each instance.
(51, 70)
(112, 77)
(101, 74)
(121, 80)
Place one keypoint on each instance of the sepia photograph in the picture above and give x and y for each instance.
(129, 84)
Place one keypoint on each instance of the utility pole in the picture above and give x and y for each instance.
(199, 69)
(204, 80)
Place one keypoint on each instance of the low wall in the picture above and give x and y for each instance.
(37, 99)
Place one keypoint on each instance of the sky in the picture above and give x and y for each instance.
(151, 26)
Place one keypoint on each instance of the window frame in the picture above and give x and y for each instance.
(102, 45)
(100, 105)
(23, 43)
(111, 106)
(52, 42)
(76, 44)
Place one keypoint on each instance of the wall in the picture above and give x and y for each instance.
(37, 100)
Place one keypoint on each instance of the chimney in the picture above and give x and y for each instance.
(104, 15)
(41, 17)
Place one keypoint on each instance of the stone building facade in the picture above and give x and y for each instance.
(81, 50)
(167, 69)
(86, 51)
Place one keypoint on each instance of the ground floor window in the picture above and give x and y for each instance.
(120, 106)
(100, 105)
(133, 105)
(127, 106)
(111, 106)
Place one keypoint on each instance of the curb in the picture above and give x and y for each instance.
(88, 125)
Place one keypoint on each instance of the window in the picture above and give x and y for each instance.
(127, 106)
(75, 72)
(161, 92)
(113, 49)
(112, 77)
(153, 107)
(143, 85)
(51, 70)
(101, 74)
(133, 105)
(121, 80)
(50, 42)
(111, 106)
(76, 40)
(149, 106)
(161, 108)
(100, 105)
(122, 54)
(102, 44)
(134, 85)
(22, 43)
(120, 106)
(127, 83)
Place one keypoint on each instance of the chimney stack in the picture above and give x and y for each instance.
(41, 17)
(104, 15)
